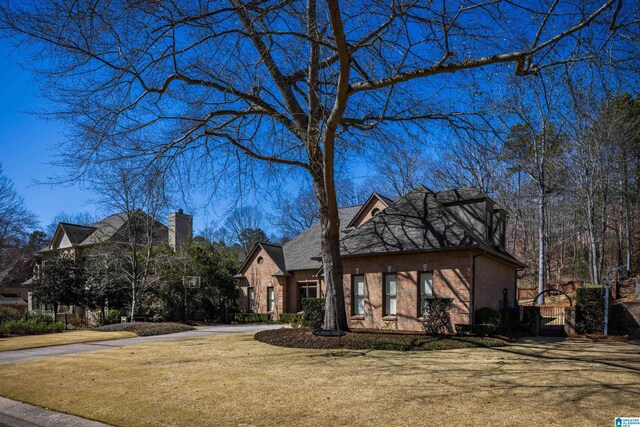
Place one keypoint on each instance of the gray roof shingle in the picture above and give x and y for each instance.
(299, 251)
(276, 254)
(418, 221)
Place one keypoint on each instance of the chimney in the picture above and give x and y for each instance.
(180, 229)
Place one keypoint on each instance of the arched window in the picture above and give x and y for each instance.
(260, 260)
(375, 211)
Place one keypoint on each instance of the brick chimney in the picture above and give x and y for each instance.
(180, 229)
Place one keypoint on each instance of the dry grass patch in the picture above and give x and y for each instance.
(235, 380)
(33, 341)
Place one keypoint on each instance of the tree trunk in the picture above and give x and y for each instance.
(335, 316)
(541, 244)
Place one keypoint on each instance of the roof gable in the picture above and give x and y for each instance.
(361, 216)
(273, 251)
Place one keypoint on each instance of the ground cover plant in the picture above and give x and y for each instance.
(365, 339)
(144, 329)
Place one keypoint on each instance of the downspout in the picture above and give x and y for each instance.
(473, 287)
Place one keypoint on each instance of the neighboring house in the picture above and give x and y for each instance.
(14, 288)
(395, 253)
(115, 228)
(74, 238)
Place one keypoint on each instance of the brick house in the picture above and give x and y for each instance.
(395, 253)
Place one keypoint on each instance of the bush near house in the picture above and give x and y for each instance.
(252, 317)
(487, 321)
(589, 310)
(293, 319)
(436, 319)
(313, 312)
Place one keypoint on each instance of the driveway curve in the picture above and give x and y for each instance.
(200, 331)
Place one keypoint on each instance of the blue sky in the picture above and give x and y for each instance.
(28, 143)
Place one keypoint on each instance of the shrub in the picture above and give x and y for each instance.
(511, 319)
(530, 318)
(40, 316)
(589, 310)
(8, 313)
(293, 319)
(252, 317)
(29, 327)
(313, 312)
(487, 316)
(111, 316)
(436, 318)
(487, 321)
(485, 329)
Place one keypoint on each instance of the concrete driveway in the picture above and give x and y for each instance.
(200, 331)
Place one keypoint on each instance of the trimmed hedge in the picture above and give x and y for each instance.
(313, 312)
(8, 313)
(589, 310)
(29, 327)
(487, 321)
(252, 317)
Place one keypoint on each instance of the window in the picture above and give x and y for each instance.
(425, 290)
(260, 260)
(375, 211)
(357, 292)
(271, 300)
(250, 299)
(390, 285)
(306, 290)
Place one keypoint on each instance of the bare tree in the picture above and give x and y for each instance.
(139, 202)
(292, 84)
(80, 218)
(16, 221)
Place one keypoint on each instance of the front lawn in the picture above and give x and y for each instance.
(72, 337)
(372, 340)
(233, 379)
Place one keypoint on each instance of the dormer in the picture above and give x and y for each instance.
(374, 204)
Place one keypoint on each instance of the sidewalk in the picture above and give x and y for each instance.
(18, 414)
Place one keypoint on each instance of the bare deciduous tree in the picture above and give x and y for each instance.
(294, 84)
(16, 221)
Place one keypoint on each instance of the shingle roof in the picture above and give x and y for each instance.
(460, 194)
(276, 254)
(419, 221)
(299, 251)
(76, 233)
(105, 229)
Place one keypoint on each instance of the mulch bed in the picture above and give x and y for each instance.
(147, 328)
(374, 340)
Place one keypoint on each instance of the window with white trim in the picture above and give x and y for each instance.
(250, 299)
(425, 290)
(390, 294)
(357, 291)
(271, 299)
